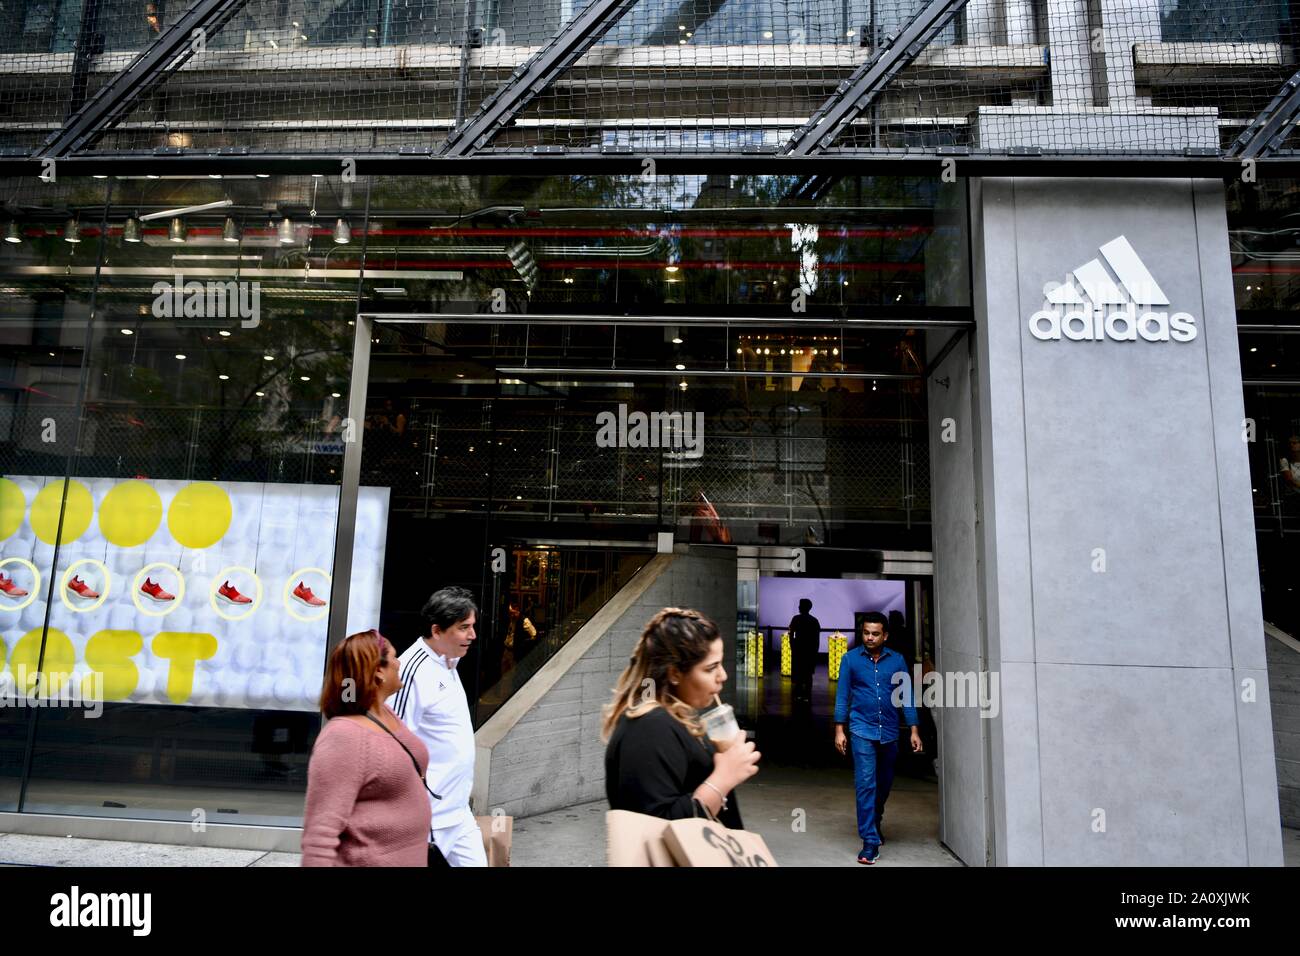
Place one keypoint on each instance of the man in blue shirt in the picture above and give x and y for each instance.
(864, 700)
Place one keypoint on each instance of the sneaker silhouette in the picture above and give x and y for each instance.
(7, 587)
(230, 594)
(155, 592)
(303, 594)
(81, 589)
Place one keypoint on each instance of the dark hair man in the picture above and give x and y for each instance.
(864, 701)
(433, 704)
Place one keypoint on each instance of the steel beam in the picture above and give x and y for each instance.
(864, 84)
(1269, 130)
(533, 77)
(844, 162)
(167, 54)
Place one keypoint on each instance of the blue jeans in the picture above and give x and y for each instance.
(873, 775)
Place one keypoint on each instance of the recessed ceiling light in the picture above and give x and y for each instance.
(224, 378)
(224, 333)
(181, 356)
(260, 394)
(677, 340)
(304, 378)
(336, 394)
(680, 367)
(268, 358)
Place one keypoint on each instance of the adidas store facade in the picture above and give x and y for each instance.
(1094, 541)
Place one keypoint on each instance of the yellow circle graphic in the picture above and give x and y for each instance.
(130, 513)
(170, 605)
(220, 579)
(103, 595)
(13, 507)
(199, 515)
(31, 592)
(290, 584)
(79, 510)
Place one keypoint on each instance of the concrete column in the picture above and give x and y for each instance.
(1124, 23)
(1018, 16)
(984, 23)
(1067, 38)
(1116, 582)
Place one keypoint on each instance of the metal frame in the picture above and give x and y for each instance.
(1269, 130)
(537, 73)
(88, 121)
(160, 60)
(859, 91)
(178, 162)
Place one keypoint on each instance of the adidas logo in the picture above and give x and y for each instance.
(1092, 306)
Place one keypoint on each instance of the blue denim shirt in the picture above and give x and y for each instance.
(864, 699)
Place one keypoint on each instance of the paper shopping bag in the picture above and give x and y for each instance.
(699, 842)
(635, 839)
(498, 831)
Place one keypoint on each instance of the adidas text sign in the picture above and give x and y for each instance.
(1092, 307)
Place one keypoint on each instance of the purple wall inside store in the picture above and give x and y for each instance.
(835, 600)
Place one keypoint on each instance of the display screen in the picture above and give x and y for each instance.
(178, 592)
(835, 602)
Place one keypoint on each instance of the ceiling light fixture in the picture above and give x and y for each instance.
(342, 232)
(176, 231)
(72, 230)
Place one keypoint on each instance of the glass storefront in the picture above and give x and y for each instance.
(178, 362)
(1266, 279)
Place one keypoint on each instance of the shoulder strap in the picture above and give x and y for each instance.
(414, 763)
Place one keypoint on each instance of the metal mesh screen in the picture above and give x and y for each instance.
(732, 76)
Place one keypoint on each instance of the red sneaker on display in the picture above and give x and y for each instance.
(81, 589)
(303, 594)
(230, 594)
(7, 587)
(155, 592)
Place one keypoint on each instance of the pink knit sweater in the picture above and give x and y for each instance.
(366, 805)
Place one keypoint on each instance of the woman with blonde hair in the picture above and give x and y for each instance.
(658, 760)
(366, 799)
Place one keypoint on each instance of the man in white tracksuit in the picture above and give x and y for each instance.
(432, 703)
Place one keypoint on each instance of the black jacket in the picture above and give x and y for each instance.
(653, 765)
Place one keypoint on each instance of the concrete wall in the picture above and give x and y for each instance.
(959, 642)
(1284, 699)
(1121, 687)
(542, 750)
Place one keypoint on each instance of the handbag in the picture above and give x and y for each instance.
(639, 839)
(697, 842)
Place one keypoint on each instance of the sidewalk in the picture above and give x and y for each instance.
(575, 836)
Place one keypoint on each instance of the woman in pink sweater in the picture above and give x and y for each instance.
(366, 799)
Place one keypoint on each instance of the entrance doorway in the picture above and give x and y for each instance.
(542, 466)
